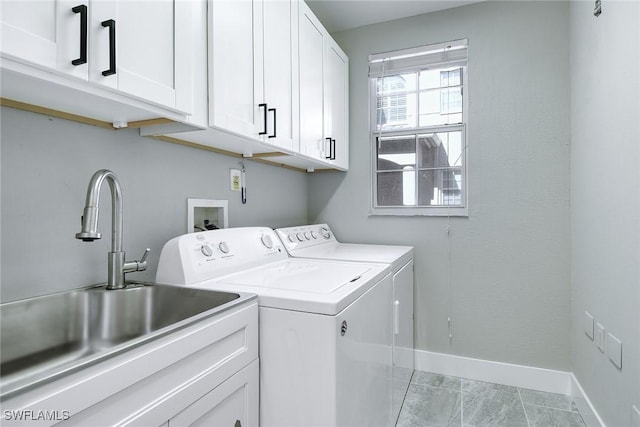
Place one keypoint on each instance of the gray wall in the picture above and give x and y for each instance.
(46, 166)
(605, 200)
(510, 275)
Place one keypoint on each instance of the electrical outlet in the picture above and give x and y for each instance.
(635, 416)
(235, 177)
(588, 325)
(599, 336)
(614, 350)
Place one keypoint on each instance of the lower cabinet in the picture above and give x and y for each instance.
(233, 403)
(205, 374)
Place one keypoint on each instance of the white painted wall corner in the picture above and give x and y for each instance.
(589, 414)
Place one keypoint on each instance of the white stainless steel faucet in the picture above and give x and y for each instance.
(117, 266)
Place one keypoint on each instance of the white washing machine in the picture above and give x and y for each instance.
(325, 326)
(318, 242)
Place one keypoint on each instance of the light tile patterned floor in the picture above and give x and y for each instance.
(437, 400)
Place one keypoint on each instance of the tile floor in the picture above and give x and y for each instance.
(437, 400)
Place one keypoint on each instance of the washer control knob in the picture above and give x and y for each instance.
(224, 248)
(291, 237)
(325, 232)
(267, 241)
(300, 237)
(314, 235)
(206, 250)
(307, 236)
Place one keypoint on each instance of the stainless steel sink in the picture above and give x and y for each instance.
(46, 337)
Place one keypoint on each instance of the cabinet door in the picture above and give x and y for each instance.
(72, 31)
(232, 72)
(279, 71)
(311, 49)
(151, 49)
(28, 31)
(234, 403)
(336, 95)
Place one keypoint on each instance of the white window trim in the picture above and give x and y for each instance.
(436, 211)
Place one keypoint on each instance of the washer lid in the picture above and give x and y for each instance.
(301, 275)
(314, 286)
(389, 254)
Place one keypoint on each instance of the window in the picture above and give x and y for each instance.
(418, 116)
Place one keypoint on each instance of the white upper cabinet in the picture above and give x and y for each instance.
(251, 69)
(279, 19)
(260, 78)
(28, 31)
(135, 48)
(311, 39)
(232, 73)
(324, 94)
(336, 98)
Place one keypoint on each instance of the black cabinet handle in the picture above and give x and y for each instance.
(112, 46)
(333, 151)
(82, 10)
(264, 131)
(329, 156)
(274, 123)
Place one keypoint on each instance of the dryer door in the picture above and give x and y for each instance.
(364, 359)
(402, 334)
(403, 317)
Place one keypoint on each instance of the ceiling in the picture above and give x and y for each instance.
(340, 15)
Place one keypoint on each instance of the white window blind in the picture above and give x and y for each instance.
(450, 54)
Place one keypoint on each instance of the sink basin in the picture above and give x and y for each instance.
(46, 337)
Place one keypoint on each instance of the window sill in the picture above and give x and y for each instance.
(425, 211)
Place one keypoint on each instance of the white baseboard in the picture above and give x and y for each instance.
(495, 372)
(521, 376)
(403, 357)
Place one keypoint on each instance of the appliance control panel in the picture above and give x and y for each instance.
(305, 236)
(196, 257)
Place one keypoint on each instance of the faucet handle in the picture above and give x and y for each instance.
(140, 265)
(144, 256)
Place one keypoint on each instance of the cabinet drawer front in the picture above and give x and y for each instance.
(232, 402)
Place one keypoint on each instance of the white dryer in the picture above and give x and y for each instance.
(318, 242)
(325, 326)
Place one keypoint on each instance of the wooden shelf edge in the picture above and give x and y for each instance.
(150, 122)
(272, 154)
(5, 102)
(328, 170)
(257, 157)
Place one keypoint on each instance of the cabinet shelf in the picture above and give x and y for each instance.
(26, 86)
(229, 144)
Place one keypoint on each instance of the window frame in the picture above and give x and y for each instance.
(441, 210)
